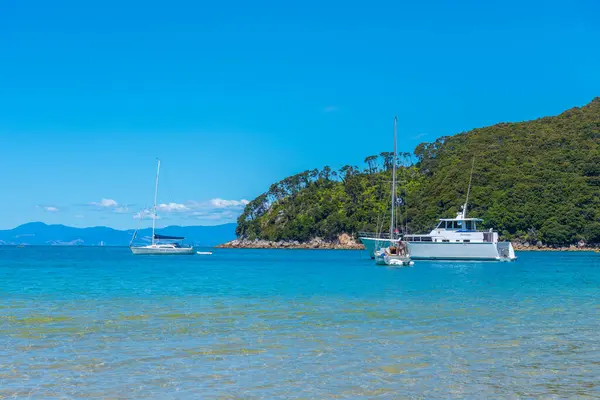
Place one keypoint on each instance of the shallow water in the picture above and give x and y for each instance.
(102, 323)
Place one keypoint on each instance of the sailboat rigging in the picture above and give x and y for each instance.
(396, 253)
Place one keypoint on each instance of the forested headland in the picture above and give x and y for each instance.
(535, 181)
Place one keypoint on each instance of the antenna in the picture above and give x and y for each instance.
(464, 213)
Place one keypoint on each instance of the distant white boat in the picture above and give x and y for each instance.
(163, 249)
(394, 252)
(204, 253)
(155, 248)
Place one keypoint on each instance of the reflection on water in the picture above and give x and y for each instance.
(99, 323)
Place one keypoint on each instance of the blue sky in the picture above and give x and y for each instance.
(234, 95)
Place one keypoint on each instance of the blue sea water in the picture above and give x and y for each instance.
(265, 324)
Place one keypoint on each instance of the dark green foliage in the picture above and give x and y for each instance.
(537, 181)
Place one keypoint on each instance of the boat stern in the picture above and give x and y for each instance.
(506, 251)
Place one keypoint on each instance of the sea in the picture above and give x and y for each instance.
(79, 322)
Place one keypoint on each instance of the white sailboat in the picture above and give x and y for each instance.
(155, 248)
(396, 251)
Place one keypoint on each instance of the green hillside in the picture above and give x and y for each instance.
(536, 181)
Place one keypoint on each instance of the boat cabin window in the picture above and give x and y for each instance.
(418, 238)
(451, 225)
(458, 225)
(470, 225)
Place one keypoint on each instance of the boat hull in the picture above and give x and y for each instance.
(393, 261)
(181, 251)
(501, 251)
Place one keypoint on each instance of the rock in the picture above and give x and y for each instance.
(315, 243)
(344, 239)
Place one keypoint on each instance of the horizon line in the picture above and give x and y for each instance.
(109, 227)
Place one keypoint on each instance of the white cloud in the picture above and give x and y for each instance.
(107, 203)
(216, 217)
(173, 207)
(217, 214)
(221, 203)
(166, 208)
(144, 214)
(111, 205)
(215, 209)
(51, 209)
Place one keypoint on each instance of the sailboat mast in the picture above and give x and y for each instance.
(155, 197)
(393, 220)
(464, 213)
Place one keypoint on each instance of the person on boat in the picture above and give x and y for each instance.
(401, 248)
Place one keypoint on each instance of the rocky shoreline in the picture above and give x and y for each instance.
(343, 242)
(521, 247)
(347, 242)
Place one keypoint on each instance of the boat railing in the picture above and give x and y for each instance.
(380, 235)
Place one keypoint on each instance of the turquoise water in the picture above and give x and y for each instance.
(252, 324)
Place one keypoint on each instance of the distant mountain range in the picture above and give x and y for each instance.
(38, 233)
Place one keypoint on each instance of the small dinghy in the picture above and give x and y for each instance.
(394, 256)
(204, 253)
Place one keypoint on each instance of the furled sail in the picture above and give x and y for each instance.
(164, 237)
